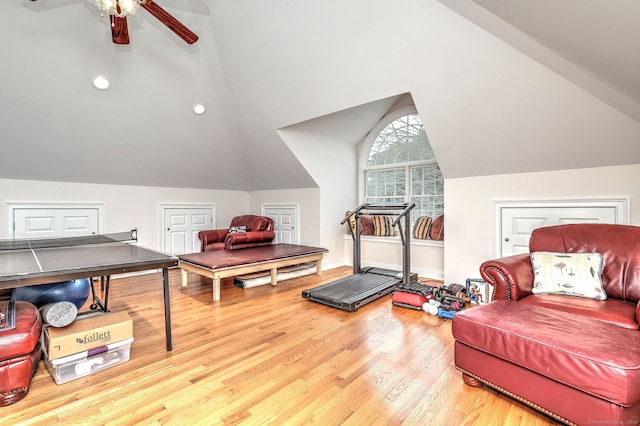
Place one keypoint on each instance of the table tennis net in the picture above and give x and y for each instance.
(40, 243)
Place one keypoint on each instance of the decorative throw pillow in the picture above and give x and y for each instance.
(383, 226)
(237, 229)
(422, 227)
(366, 225)
(437, 229)
(571, 274)
(352, 222)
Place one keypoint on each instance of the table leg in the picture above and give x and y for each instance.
(106, 293)
(98, 302)
(216, 289)
(274, 276)
(167, 308)
(184, 278)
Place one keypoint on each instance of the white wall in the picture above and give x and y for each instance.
(308, 202)
(426, 257)
(126, 207)
(469, 202)
(333, 165)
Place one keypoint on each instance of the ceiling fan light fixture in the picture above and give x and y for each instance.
(100, 82)
(199, 109)
(118, 8)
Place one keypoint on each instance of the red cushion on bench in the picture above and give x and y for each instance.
(228, 258)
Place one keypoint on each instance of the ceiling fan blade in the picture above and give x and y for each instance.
(172, 23)
(119, 30)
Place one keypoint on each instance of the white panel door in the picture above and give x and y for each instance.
(181, 226)
(285, 222)
(42, 222)
(519, 222)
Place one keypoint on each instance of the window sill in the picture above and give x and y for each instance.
(396, 240)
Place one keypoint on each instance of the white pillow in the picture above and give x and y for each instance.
(237, 230)
(571, 274)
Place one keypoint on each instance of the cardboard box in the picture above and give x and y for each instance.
(86, 333)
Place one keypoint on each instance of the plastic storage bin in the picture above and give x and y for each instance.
(88, 362)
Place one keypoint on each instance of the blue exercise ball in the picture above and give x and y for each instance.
(74, 291)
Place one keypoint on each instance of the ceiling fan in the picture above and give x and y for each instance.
(120, 30)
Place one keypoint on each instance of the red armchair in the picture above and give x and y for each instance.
(244, 231)
(574, 357)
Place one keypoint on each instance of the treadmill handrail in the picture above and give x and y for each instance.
(404, 207)
(385, 206)
(404, 212)
(351, 213)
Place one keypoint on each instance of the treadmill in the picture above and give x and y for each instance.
(367, 284)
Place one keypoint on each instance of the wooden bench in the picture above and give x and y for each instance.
(218, 264)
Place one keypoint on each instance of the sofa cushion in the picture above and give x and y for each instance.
(578, 351)
(252, 223)
(214, 246)
(571, 274)
(422, 227)
(437, 229)
(614, 311)
(618, 245)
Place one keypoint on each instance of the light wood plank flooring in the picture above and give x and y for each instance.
(267, 356)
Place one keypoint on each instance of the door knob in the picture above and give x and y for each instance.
(506, 239)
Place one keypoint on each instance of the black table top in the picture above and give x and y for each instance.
(24, 266)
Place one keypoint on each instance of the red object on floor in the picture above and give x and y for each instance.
(412, 299)
(19, 353)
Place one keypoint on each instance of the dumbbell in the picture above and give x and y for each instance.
(445, 314)
(455, 306)
(431, 307)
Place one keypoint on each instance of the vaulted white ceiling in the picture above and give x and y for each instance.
(491, 79)
(595, 44)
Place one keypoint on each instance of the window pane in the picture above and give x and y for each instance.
(416, 188)
(402, 140)
(385, 185)
(427, 191)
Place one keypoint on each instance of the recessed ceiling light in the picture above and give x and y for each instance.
(100, 82)
(199, 109)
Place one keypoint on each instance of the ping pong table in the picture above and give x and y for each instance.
(42, 261)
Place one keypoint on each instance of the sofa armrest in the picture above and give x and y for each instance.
(248, 239)
(211, 236)
(511, 277)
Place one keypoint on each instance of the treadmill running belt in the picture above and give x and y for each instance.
(353, 291)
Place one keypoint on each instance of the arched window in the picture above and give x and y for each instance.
(399, 165)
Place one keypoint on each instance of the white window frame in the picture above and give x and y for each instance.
(365, 148)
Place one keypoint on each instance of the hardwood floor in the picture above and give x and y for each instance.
(267, 356)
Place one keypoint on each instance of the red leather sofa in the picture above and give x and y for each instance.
(576, 359)
(244, 231)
